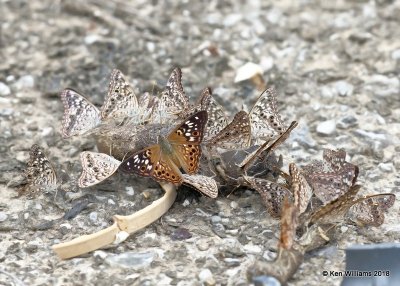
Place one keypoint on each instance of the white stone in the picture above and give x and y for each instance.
(130, 191)
(206, 277)
(25, 82)
(4, 89)
(344, 88)
(252, 249)
(91, 39)
(232, 20)
(3, 216)
(93, 216)
(247, 71)
(327, 127)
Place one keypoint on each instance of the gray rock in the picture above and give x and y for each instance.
(131, 260)
(347, 122)
(25, 82)
(265, 280)
(216, 219)
(302, 135)
(327, 127)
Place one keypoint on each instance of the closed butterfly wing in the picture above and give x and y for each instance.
(272, 194)
(203, 184)
(121, 100)
(96, 167)
(335, 159)
(302, 192)
(217, 119)
(266, 122)
(40, 173)
(173, 100)
(80, 115)
(150, 162)
(328, 186)
(236, 135)
(185, 141)
(370, 210)
(334, 211)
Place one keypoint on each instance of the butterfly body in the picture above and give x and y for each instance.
(180, 149)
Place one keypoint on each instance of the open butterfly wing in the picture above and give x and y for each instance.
(185, 141)
(150, 162)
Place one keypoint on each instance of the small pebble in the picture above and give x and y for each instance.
(327, 127)
(132, 260)
(265, 280)
(215, 219)
(386, 167)
(4, 89)
(206, 277)
(130, 191)
(344, 88)
(202, 244)
(234, 205)
(3, 216)
(47, 131)
(252, 249)
(93, 216)
(25, 82)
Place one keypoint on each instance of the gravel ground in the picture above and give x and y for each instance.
(335, 66)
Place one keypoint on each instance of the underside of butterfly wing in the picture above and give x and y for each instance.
(265, 120)
(272, 194)
(236, 135)
(80, 115)
(121, 100)
(203, 184)
(96, 167)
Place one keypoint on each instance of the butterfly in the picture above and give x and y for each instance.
(369, 210)
(332, 177)
(121, 100)
(80, 115)
(96, 167)
(173, 102)
(217, 119)
(267, 147)
(272, 194)
(301, 190)
(263, 122)
(236, 135)
(181, 149)
(203, 184)
(40, 173)
(266, 122)
(335, 210)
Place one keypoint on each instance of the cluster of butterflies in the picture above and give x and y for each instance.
(322, 193)
(205, 123)
(331, 182)
(202, 123)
